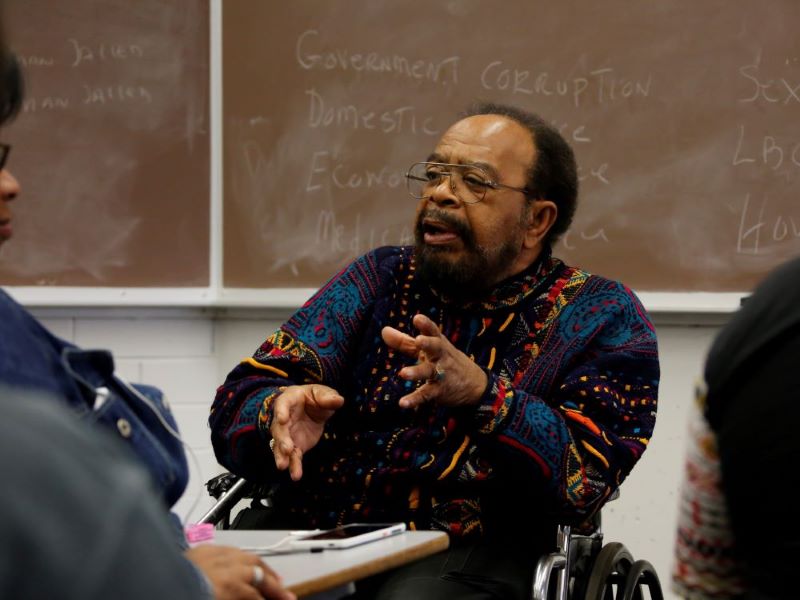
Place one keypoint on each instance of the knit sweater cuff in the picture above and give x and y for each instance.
(265, 413)
(495, 404)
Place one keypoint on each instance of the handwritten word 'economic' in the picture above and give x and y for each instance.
(397, 120)
(340, 59)
(343, 178)
(602, 84)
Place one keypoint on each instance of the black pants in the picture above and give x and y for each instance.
(479, 571)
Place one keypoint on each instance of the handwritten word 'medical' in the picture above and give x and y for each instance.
(602, 84)
(333, 237)
(397, 120)
(308, 57)
(103, 52)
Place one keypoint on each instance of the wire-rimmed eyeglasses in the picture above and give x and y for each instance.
(5, 150)
(468, 182)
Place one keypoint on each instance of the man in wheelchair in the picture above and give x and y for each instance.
(472, 383)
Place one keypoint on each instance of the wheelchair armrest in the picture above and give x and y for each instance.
(226, 501)
(228, 489)
(216, 486)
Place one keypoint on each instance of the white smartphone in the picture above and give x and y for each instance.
(347, 536)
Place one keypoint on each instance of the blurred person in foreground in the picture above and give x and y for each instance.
(62, 522)
(733, 538)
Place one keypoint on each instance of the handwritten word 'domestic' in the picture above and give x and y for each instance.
(349, 116)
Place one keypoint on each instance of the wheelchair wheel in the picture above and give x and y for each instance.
(610, 569)
(586, 550)
(642, 573)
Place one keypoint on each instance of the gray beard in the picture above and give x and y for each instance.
(475, 273)
(471, 277)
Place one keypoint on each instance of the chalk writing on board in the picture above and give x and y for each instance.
(93, 94)
(102, 52)
(575, 134)
(578, 135)
(675, 118)
(603, 84)
(80, 54)
(309, 56)
(572, 237)
(766, 150)
(325, 169)
(757, 229)
(34, 60)
(599, 173)
(770, 89)
(31, 105)
(395, 120)
(334, 237)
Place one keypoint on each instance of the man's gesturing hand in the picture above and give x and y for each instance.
(299, 416)
(450, 376)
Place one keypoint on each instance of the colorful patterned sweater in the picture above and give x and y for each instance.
(569, 408)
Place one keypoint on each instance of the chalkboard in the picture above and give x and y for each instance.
(112, 147)
(685, 119)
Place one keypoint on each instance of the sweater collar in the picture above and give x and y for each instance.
(514, 289)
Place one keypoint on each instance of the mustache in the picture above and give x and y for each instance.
(452, 222)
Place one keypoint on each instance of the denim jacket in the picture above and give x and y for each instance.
(32, 357)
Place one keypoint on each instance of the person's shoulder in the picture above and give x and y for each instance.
(9, 305)
(591, 285)
(83, 462)
(599, 299)
(383, 261)
(24, 410)
(15, 320)
(781, 285)
(387, 255)
(771, 314)
(47, 453)
(366, 274)
(773, 306)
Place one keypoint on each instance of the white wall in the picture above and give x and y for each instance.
(188, 352)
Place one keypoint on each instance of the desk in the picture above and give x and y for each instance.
(308, 573)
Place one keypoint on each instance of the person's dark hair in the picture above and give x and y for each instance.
(11, 86)
(554, 174)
